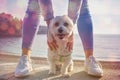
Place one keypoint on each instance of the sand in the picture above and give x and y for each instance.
(41, 67)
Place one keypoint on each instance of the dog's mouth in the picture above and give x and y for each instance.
(61, 36)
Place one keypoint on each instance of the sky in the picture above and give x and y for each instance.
(105, 13)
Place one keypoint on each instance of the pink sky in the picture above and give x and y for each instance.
(105, 13)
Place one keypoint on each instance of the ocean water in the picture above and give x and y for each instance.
(106, 47)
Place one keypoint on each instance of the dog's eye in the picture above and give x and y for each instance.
(65, 24)
(56, 24)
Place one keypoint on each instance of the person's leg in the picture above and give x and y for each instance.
(85, 30)
(84, 23)
(30, 25)
(31, 22)
(73, 9)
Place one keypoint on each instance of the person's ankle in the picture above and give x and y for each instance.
(26, 52)
(87, 57)
(88, 53)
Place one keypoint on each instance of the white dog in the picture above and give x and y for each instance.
(60, 30)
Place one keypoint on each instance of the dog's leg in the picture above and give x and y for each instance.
(52, 68)
(70, 68)
(58, 67)
(52, 62)
(64, 69)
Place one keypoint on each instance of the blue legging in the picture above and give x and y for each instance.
(85, 29)
(31, 20)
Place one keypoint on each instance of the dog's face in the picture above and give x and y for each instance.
(61, 27)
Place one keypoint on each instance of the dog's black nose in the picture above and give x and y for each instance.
(60, 30)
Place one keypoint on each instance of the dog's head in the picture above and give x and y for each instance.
(61, 27)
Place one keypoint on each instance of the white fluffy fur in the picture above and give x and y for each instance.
(61, 55)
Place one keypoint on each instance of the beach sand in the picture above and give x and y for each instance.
(40, 72)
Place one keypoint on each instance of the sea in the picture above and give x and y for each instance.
(106, 47)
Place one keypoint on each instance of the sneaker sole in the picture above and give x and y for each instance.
(92, 74)
(19, 76)
(24, 75)
(96, 75)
